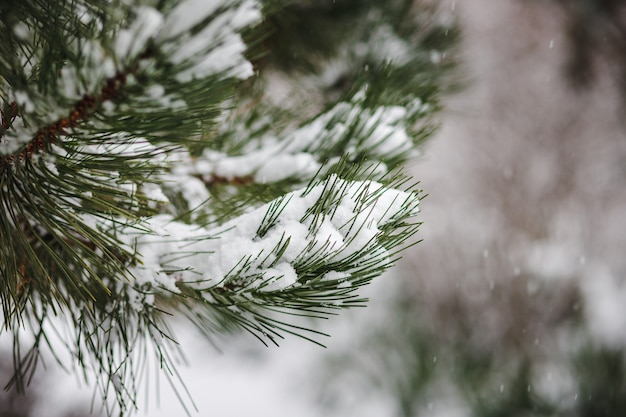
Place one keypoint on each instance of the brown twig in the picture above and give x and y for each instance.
(218, 180)
(49, 134)
(81, 111)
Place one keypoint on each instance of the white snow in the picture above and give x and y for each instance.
(186, 15)
(280, 276)
(379, 133)
(24, 100)
(216, 47)
(385, 45)
(20, 29)
(70, 83)
(132, 41)
(187, 253)
(266, 165)
(193, 190)
(154, 193)
(13, 140)
(227, 58)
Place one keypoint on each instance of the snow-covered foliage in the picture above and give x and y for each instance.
(143, 175)
(198, 39)
(346, 130)
(268, 248)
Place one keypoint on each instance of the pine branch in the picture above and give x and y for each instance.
(139, 178)
(339, 237)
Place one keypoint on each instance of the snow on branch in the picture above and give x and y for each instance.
(380, 135)
(330, 230)
(146, 67)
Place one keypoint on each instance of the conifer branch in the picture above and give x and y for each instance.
(136, 185)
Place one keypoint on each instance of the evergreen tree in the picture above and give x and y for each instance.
(233, 162)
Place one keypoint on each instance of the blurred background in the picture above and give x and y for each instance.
(514, 304)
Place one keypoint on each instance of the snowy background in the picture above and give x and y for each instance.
(522, 258)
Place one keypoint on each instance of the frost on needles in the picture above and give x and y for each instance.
(146, 172)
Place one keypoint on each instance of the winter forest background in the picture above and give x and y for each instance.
(514, 304)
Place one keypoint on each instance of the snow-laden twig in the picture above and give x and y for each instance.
(274, 247)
